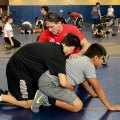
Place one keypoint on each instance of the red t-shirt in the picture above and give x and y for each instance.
(46, 36)
(75, 15)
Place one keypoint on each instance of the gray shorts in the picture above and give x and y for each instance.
(51, 88)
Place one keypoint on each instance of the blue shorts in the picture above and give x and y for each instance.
(96, 21)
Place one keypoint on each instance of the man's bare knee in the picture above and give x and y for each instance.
(78, 104)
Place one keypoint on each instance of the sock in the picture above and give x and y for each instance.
(52, 101)
(1, 98)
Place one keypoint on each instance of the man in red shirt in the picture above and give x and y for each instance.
(56, 31)
(77, 19)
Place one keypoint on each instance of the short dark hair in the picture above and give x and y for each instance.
(96, 50)
(69, 13)
(71, 40)
(52, 17)
(45, 8)
(36, 18)
(8, 17)
(97, 3)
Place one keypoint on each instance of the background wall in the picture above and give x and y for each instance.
(30, 12)
(62, 2)
(29, 9)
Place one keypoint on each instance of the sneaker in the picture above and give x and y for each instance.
(40, 99)
(105, 60)
(29, 31)
(8, 46)
(22, 32)
(113, 34)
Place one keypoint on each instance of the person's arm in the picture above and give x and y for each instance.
(88, 89)
(113, 13)
(30, 25)
(99, 14)
(85, 44)
(96, 31)
(68, 19)
(43, 37)
(64, 81)
(101, 94)
(11, 41)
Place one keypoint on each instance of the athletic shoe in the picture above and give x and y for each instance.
(22, 32)
(8, 46)
(29, 31)
(40, 99)
(105, 60)
(113, 34)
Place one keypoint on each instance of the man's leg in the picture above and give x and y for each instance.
(74, 107)
(50, 87)
(10, 99)
(41, 99)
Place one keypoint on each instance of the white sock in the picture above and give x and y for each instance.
(1, 98)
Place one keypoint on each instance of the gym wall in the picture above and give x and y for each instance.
(63, 2)
(29, 9)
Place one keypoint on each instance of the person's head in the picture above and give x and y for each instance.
(96, 52)
(110, 6)
(9, 19)
(44, 10)
(36, 18)
(97, 4)
(69, 13)
(70, 42)
(53, 22)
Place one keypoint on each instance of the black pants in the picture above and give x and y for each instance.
(16, 42)
(79, 22)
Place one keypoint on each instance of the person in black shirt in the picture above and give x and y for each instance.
(28, 63)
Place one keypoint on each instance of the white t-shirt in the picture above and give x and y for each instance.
(110, 12)
(9, 28)
(27, 23)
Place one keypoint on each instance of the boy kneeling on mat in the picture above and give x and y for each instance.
(78, 70)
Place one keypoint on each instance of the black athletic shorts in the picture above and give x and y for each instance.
(20, 85)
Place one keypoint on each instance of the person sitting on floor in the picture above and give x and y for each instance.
(38, 25)
(9, 39)
(104, 28)
(26, 27)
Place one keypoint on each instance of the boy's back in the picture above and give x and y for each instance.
(80, 68)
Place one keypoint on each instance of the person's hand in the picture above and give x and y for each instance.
(114, 108)
(12, 44)
(73, 55)
(93, 94)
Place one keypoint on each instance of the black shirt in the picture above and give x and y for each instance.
(35, 58)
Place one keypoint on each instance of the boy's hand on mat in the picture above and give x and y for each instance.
(94, 95)
(114, 108)
(12, 44)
